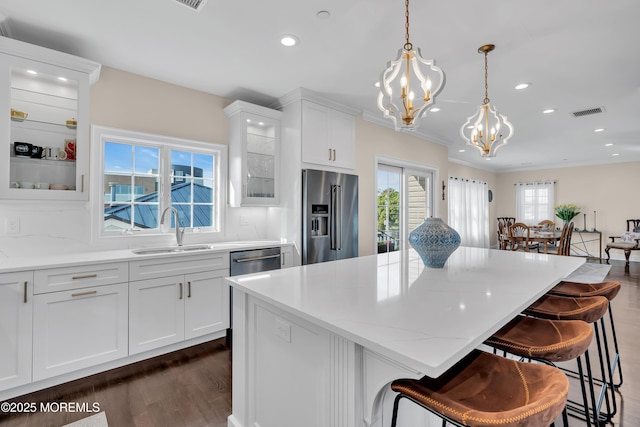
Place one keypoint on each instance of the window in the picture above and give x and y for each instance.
(534, 202)
(404, 200)
(142, 175)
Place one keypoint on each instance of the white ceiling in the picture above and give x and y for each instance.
(577, 54)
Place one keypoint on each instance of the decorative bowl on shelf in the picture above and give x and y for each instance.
(18, 116)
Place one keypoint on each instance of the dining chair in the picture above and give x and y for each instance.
(564, 245)
(547, 224)
(519, 236)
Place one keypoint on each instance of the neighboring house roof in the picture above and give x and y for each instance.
(180, 193)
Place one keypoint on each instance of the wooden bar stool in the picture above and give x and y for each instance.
(589, 310)
(548, 341)
(609, 290)
(486, 390)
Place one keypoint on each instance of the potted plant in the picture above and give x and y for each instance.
(566, 212)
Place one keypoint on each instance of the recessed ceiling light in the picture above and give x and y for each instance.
(488, 159)
(522, 86)
(62, 79)
(32, 72)
(549, 111)
(615, 154)
(434, 110)
(377, 84)
(462, 150)
(599, 130)
(608, 144)
(289, 40)
(323, 14)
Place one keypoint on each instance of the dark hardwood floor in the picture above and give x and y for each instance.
(192, 387)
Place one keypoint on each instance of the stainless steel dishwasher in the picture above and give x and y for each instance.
(250, 261)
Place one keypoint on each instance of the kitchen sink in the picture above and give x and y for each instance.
(171, 249)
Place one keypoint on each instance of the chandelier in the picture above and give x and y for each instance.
(409, 73)
(487, 130)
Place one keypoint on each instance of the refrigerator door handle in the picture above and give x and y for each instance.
(333, 217)
(339, 217)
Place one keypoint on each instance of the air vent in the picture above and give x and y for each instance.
(196, 5)
(588, 112)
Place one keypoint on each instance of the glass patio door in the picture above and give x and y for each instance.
(404, 200)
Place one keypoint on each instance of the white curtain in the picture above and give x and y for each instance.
(534, 202)
(469, 211)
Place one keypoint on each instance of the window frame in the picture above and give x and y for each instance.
(101, 134)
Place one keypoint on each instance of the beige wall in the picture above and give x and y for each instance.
(129, 101)
(373, 140)
(606, 189)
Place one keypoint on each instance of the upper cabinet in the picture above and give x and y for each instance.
(254, 155)
(320, 133)
(328, 136)
(44, 122)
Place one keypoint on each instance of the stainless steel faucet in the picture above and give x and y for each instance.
(176, 220)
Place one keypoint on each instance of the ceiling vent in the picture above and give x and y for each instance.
(196, 5)
(588, 112)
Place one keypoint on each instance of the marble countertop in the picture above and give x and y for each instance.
(21, 263)
(426, 319)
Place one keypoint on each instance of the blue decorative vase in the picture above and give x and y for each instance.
(434, 241)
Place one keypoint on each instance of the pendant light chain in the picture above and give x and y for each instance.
(407, 45)
(486, 79)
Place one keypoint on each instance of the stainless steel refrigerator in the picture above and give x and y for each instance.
(329, 216)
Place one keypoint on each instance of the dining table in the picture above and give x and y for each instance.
(535, 236)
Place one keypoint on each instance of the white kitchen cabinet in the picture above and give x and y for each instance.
(45, 95)
(286, 256)
(254, 154)
(78, 328)
(328, 136)
(167, 308)
(16, 308)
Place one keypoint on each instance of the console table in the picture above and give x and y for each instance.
(579, 242)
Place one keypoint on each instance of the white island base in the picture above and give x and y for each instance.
(318, 345)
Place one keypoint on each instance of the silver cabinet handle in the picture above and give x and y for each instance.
(255, 258)
(82, 183)
(334, 154)
(188, 289)
(86, 276)
(25, 292)
(181, 290)
(329, 153)
(81, 294)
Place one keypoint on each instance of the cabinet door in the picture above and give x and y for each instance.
(156, 313)
(16, 307)
(343, 140)
(286, 256)
(316, 132)
(44, 139)
(78, 328)
(261, 160)
(206, 303)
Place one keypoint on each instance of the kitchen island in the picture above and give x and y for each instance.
(318, 345)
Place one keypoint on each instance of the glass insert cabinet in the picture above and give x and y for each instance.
(44, 122)
(254, 154)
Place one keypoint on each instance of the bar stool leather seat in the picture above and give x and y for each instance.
(486, 390)
(608, 289)
(587, 309)
(549, 340)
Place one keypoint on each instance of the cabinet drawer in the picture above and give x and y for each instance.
(81, 276)
(170, 266)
